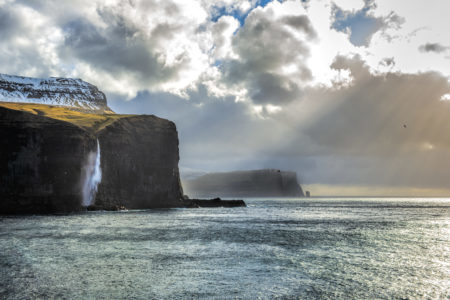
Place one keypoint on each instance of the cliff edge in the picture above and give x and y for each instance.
(46, 162)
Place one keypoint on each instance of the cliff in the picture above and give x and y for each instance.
(74, 93)
(47, 152)
(255, 183)
(139, 164)
(41, 162)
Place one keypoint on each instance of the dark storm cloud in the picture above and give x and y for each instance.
(82, 35)
(300, 23)
(264, 45)
(271, 88)
(9, 24)
(18, 49)
(433, 47)
(119, 48)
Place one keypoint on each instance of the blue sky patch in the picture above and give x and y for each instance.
(361, 24)
(236, 13)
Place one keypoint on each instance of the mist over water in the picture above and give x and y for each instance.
(303, 248)
(92, 176)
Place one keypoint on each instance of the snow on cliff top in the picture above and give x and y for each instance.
(69, 92)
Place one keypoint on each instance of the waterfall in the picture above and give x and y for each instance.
(92, 176)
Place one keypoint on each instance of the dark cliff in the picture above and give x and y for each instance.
(139, 159)
(45, 150)
(41, 162)
(255, 183)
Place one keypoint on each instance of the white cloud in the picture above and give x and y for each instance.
(124, 47)
(222, 32)
(329, 44)
(349, 4)
(424, 22)
(445, 97)
(242, 6)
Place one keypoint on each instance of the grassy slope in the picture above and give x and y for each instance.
(87, 121)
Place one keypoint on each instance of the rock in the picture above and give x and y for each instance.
(139, 161)
(255, 183)
(41, 161)
(95, 207)
(73, 93)
(216, 202)
(45, 151)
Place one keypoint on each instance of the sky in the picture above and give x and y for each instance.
(353, 95)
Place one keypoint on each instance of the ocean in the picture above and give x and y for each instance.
(314, 248)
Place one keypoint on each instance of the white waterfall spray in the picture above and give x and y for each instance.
(93, 176)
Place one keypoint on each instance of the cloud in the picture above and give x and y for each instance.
(321, 87)
(270, 41)
(10, 24)
(222, 33)
(347, 135)
(232, 46)
(445, 97)
(372, 111)
(150, 44)
(433, 47)
(118, 49)
(29, 41)
(122, 46)
(388, 62)
(349, 5)
(422, 22)
(361, 24)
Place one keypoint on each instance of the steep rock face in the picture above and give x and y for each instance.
(139, 161)
(74, 93)
(41, 163)
(255, 183)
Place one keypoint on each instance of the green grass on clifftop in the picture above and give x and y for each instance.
(88, 121)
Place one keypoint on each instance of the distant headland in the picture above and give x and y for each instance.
(250, 183)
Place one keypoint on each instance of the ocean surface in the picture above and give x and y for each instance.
(317, 248)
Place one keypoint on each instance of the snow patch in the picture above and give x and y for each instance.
(52, 91)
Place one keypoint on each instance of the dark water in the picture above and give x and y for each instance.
(308, 249)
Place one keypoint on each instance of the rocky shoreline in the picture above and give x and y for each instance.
(187, 203)
(216, 202)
